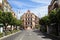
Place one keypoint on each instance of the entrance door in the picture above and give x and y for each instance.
(29, 28)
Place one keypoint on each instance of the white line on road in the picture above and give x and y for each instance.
(46, 39)
(22, 37)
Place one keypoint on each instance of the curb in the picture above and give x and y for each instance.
(9, 35)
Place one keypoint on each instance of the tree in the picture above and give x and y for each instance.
(52, 16)
(6, 18)
(58, 21)
(45, 22)
(58, 15)
(0, 16)
(54, 20)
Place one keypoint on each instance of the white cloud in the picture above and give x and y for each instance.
(40, 11)
(41, 1)
(20, 4)
(0, 1)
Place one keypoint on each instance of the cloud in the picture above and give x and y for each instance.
(0, 1)
(35, 7)
(40, 11)
(19, 4)
(41, 1)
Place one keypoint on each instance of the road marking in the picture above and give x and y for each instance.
(22, 37)
(46, 39)
(43, 39)
(30, 34)
(39, 36)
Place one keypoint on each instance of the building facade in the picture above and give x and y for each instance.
(6, 7)
(1, 5)
(29, 20)
(54, 5)
(53, 29)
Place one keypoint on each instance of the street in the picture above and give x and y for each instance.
(27, 35)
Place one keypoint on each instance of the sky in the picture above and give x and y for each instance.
(38, 7)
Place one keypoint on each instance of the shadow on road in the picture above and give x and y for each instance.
(44, 35)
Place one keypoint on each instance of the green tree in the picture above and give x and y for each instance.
(6, 18)
(58, 21)
(54, 17)
(45, 22)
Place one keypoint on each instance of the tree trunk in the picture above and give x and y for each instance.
(16, 27)
(5, 28)
(12, 27)
(47, 30)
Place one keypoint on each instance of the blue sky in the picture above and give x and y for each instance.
(38, 7)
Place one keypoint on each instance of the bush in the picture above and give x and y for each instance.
(8, 32)
(1, 35)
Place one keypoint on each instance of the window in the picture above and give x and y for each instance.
(26, 23)
(27, 15)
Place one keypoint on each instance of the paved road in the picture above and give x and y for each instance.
(27, 35)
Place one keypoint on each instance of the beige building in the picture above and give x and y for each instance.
(13, 13)
(6, 7)
(1, 8)
(29, 20)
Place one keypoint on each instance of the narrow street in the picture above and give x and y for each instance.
(27, 35)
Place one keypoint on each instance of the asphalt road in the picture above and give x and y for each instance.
(27, 35)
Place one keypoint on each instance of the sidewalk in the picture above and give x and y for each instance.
(46, 35)
(53, 37)
(9, 35)
(56, 37)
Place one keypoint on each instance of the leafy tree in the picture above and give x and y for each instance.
(6, 18)
(58, 15)
(54, 19)
(44, 22)
(52, 16)
(58, 21)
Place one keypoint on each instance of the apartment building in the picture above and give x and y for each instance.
(29, 20)
(13, 13)
(1, 5)
(6, 7)
(53, 5)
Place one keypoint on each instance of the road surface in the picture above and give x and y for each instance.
(27, 35)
